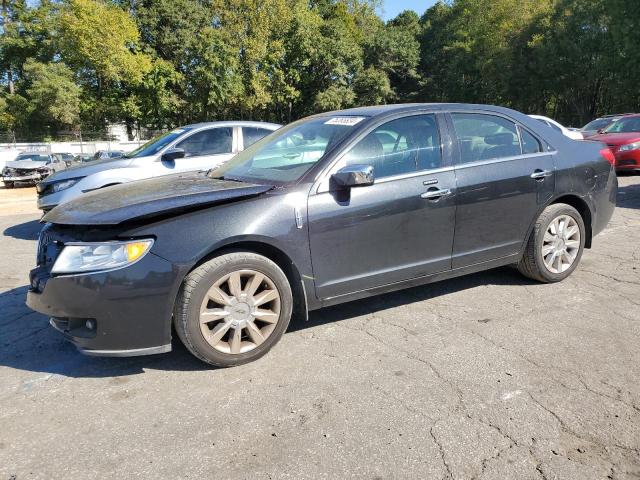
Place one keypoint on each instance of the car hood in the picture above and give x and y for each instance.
(25, 164)
(88, 168)
(155, 197)
(617, 138)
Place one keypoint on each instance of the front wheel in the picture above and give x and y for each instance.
(555, 246)
(9, 184)
(233, 309)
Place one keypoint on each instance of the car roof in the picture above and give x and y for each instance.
(235, 123)
(374, 111)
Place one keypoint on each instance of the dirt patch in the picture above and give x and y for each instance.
(17, 201)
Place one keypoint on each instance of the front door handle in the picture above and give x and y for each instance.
(541, 174)
(436, 193)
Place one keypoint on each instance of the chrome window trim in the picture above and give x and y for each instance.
(512, 158)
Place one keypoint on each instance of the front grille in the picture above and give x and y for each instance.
(44, 240)
(623, 163)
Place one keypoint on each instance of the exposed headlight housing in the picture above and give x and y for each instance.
(96, 257)
(64, 184)
(629, 147)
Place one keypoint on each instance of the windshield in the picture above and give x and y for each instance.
(36, 157)
(287, 154)
(624, 125)
(156, 144)
(598, 124)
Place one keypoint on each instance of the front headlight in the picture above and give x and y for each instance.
(629, 147)
(64, 184)
(94, 257)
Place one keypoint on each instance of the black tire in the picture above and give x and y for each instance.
(9, 185)
(192, 294)
(532, 264)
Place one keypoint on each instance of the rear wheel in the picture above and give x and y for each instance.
(233, 309)
(9, 185)
(556, 244)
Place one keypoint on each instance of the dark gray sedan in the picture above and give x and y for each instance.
(329, 209)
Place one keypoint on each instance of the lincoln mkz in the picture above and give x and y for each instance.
(335, 207)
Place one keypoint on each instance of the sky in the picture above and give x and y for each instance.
(391, 8)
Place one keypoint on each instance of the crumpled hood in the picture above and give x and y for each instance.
(25, 164)
(154, 197)
(88, 168)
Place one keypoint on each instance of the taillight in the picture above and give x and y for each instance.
(608, 155)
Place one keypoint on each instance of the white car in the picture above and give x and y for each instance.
(199, 146)
(560, 128)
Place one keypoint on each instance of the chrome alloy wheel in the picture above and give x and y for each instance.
(561, 244)
(240, 311)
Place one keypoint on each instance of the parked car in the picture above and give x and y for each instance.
(328, 209)
(108, 154)
(567, 132)
(7, 155)
(67, 158)
(595, 126)
(623, 138)
(83, 158)
(31, 167)
(193, 147)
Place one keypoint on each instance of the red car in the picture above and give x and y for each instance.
(623, 138)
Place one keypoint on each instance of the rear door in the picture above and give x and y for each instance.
(204, 149)
(399, 228)
(504, 175)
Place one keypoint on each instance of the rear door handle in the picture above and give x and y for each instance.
(436, 193)
(541, 174)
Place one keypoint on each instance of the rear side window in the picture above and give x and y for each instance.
(401, 146)
(485, 137)
(530, 144)
(208, 142)
(251, 135)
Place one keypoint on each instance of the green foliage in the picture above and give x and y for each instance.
(159, 63)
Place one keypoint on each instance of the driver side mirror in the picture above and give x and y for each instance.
(173, 154)
(601, 130)
(354, 176)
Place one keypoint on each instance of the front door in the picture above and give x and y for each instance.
(203, 150)
(504, 176)
(399, 228)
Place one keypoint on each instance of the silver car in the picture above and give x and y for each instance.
(31, 167)
(193, 147)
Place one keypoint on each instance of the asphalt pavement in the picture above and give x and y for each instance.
(490, 376)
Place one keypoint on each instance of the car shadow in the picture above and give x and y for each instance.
(24, 231)
(28, 343)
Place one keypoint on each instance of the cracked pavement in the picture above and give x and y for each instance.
(489, 376)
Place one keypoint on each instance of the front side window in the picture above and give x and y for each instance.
(485, 137)
(624, 125)
(213, 141)
(598, 123)
(401, 146)
(156, 144)
(289, 153)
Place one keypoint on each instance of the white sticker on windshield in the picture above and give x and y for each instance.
(347, 121)
(177, 130)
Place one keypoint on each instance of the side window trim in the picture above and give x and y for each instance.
(545, 147)
(321, 185)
